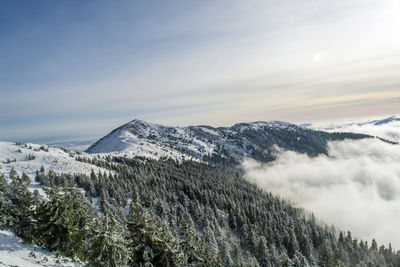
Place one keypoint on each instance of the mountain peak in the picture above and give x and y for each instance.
(387, 120)
(141, 123)
(254, 139)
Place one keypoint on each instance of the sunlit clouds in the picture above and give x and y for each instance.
(320, 55)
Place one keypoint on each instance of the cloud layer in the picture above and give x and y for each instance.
(388, 128)
(356, 187)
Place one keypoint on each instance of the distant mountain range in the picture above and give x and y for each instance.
(385, 121)
(386, 128)
(76, 145)
(259, 140)
(376, 122)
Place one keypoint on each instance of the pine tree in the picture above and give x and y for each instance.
(150, 246)
(194, 247)
(187, 243)
(62, 222)
(3, 201)
(326, 258)
(261, 252)
(107, 244)
(20, 205)
(374, 245)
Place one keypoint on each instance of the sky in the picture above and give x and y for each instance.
(75, 69)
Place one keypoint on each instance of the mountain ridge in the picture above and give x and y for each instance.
(256, 140)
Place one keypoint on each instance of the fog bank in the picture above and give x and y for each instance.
(356, 187)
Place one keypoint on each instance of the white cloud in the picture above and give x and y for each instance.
(356, 187)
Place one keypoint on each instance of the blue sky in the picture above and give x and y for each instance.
(77, 69)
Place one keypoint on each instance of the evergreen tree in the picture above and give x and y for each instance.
(150, 246)
(3, 202)
(62, 222)
(262, 252)
(107, 244)
(20, 206)
(194, 247)
(374, 245)
(326, 258)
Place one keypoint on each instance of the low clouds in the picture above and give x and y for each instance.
(356, 187)
(388, 128)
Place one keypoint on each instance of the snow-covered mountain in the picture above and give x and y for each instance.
(256, 140)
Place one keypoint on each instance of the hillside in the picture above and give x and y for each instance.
(194, 214)
(146, 194)
(27, 158)
(14, 252)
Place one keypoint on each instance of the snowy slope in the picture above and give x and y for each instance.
(255, 140)
(14, 252)
(28, 159)
(124, 142)
(55, 159)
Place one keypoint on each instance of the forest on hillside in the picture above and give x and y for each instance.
(165, 213)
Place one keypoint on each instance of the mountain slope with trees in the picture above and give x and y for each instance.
(167, 213)
(170, 196)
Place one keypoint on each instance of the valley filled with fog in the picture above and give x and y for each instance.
(355, 187)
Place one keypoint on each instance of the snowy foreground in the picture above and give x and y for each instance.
(28, 159)
(14, 252)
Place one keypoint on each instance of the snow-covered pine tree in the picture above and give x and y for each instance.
(62, 222)
(194, 247)
(20, 205)
(108, 246)
(41, 177)
(151, 245)
(3, 201)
